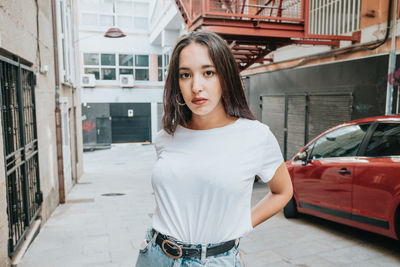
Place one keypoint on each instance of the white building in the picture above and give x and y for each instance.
(122, 78)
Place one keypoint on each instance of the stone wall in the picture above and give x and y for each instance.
(18, 39)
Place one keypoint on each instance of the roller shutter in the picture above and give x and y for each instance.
(295, 119)
(131, 122)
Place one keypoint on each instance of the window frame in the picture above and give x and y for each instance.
(117, 67)
(141, 67)
(165, 59)
(66, 43)
(100, 67)
(115, 15)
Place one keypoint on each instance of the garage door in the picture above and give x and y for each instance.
(273, 115)
(295, 119)
(296, 124)
(128, 130)
(327, 111)
(131, 122)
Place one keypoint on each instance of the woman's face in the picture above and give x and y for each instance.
(199, 82)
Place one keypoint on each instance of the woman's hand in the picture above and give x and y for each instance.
(281, 192)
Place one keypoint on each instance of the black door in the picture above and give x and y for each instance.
(103, 131)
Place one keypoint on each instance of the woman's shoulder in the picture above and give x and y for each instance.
(255, 125)
(260, 134)
(161, 141)
(162, 136)
(257, 131)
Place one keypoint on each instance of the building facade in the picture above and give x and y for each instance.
(40, 118)
(122, 78)
(306, 88)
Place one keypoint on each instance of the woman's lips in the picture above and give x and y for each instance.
(199, 101)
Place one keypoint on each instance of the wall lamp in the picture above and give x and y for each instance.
(114, 33)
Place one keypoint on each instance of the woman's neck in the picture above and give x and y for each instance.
(206, 123)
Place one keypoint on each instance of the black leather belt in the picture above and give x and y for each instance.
(176, 251)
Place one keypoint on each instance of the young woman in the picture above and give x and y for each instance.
(209, 151)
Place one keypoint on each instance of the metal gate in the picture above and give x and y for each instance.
(295, 119)
(17, 103)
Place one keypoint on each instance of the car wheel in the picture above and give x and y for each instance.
(397, 222)
(290, 210)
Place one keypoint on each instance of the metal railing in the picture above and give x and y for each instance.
(20, 148)
(272, 10)
(334, 17)
(321, 19)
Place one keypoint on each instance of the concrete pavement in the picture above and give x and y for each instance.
(107, 212)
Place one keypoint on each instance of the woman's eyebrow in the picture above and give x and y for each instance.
(203, 67)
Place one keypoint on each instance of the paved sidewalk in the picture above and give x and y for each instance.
(92, 229)
(96, 230)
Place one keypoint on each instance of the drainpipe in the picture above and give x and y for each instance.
(59, 141)
(392, 64)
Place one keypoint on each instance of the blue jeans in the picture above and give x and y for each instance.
(153, 256)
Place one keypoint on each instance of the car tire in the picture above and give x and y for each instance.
(397, 222)
(290, 210)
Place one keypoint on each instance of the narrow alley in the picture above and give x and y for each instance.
(106, 214)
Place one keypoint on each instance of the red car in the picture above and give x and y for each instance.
(351, 174)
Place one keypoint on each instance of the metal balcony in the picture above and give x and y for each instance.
(254, 28)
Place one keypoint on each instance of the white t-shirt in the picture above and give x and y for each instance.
(203, 179)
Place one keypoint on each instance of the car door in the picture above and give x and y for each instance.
(377, 181)
(324, 184)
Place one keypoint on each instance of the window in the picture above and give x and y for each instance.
(141, 11)
(142, 67)
(108, 59)
(385, 141)
(125, 64)
(126, 60)
(163, 62)
(92, 59)
(66, 55)
(94, 71)
(343, 142)
(126, 14)
(106, 66)
(103, 66)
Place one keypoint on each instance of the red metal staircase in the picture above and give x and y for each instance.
(254, 28)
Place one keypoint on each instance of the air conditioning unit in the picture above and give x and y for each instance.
(126, 80)
(88, 80)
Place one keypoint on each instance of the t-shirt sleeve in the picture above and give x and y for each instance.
(271, 156)
(160, 142)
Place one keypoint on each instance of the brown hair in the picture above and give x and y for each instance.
(233, 97)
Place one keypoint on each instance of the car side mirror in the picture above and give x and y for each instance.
(303, 157)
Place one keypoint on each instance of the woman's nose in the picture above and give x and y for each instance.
(197, 85)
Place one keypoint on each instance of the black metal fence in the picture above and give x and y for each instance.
(17, 101)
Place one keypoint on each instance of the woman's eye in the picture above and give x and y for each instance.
(184, 75)
(209, 73)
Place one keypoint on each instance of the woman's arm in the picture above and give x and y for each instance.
(280, 193)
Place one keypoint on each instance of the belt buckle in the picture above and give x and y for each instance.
(173, 244)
